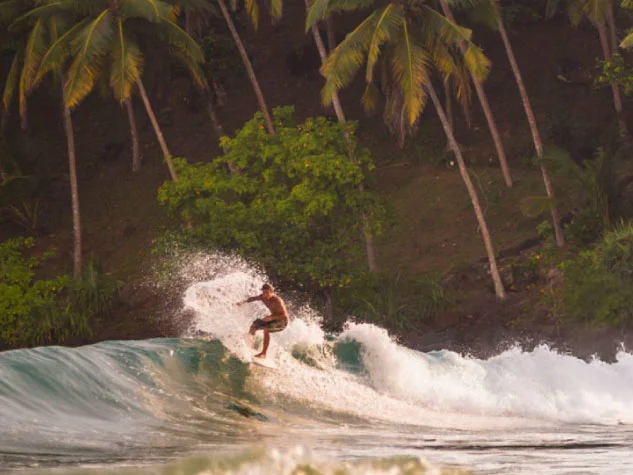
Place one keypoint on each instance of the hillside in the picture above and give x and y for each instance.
(434, 231)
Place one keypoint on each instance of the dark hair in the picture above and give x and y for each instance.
(268, 287)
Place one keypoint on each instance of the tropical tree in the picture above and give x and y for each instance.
(108, 42)
(39, 26)
(485, 105)
(600, 14)
(253, 9)
(490, 11)
(340, 115)
(404, 44)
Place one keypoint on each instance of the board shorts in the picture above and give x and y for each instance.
(272, 326)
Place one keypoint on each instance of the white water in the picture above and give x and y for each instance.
(521, 399)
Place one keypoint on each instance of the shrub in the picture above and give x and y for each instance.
(295, 206)
(31, 311)
(598, 284)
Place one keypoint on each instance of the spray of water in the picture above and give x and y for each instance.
(397, 384)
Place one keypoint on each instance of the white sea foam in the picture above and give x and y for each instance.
(442, 389)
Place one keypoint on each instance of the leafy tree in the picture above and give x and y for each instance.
(403, 44)
(108, 42)
(295, 207)
(491, 12)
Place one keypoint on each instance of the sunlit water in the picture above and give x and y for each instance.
(357, 402)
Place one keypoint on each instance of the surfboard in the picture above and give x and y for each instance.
(265, 362)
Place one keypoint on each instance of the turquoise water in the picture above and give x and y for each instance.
(357, 402)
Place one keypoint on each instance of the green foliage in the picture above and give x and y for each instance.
(590, 186)
(395, 302)
(598, 284)
(91, 294)
(222, 58)
(296, 205)
(615, 71)
(31, 311)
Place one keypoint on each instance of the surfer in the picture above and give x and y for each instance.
(275, 322)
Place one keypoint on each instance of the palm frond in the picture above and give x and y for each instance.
(370, 96)
(33, 52)
(40, 12)
(276, 9)
(11, 82)
(59, 51)
(627, 42)
(150, 10)
(436, 27)
(10, 10)
(318, 11)
(179, 41)
(388, 24)
(88, 46)
(409, 64)
(343, 63)
(126, 64)
(252, 8)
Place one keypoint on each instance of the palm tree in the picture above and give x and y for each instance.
(340, 115)
(108, 42)
(483, 99)
(404, 42)
(490, 10)
(42, 27)
(253, 9)
(600, 14)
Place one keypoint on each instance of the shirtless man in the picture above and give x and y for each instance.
(275, 322)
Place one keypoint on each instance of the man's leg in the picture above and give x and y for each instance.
(266, 343)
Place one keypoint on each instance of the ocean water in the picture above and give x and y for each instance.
(355, 402)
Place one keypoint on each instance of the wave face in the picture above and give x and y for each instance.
(356, 402)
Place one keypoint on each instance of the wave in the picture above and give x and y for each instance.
(153, 400)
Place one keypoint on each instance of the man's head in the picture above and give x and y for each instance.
(267, 290)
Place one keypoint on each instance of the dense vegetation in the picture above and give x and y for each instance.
(293, 195)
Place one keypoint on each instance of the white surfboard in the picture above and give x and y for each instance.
(265, 362)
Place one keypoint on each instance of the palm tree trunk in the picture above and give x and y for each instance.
(613, 35)
(483, 99)
(536, 137)
(249, 69)
(74, 188)
(617, 97)
(338, 109)
(157, 131)
(496, 277)
(331, 35)
(136, 155)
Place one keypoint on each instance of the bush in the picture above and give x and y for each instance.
(31, 311)
(598, 285)
(91, 294)
(295, 206)
(394, 302)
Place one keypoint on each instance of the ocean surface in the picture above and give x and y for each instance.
(354, 402)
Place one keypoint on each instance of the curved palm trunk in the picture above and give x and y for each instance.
(536, 137)
(136, 155)
(157, 131)
(338, 109)
(74, 188)
(496, 277)
(612, 30)
(249, 68)
(483, 99)
(617, 97)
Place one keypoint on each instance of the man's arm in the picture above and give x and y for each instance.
(250, 299)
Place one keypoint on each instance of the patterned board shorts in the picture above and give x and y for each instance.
(273, 326)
